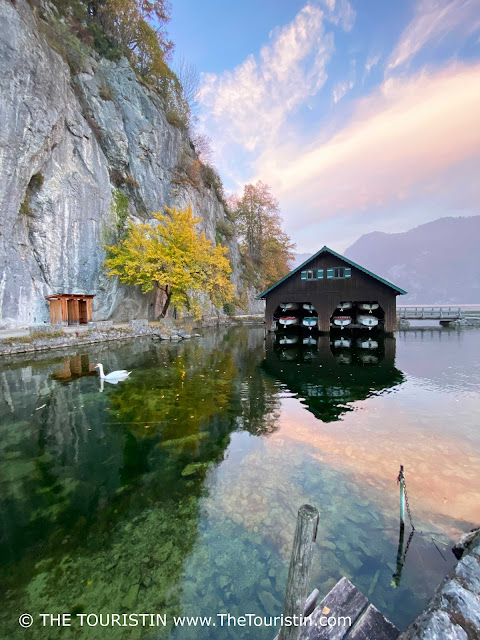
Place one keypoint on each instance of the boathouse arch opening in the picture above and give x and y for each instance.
(296, 314)
(357, 314)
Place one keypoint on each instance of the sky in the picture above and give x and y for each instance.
(361, 115)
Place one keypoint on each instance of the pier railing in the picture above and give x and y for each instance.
(430, 313)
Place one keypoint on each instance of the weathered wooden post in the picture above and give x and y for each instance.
(300, 569)
(401, 480)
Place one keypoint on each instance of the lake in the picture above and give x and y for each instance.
(176, 491)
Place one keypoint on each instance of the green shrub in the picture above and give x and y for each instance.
(61, 38)
(224, 230)
(229, 308)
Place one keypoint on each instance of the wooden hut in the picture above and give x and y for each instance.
(328, 287)
(68, 308)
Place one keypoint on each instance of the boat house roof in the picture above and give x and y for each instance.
(325, 249)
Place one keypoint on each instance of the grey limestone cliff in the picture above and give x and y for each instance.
(67, 142)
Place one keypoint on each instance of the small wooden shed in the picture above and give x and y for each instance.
(69, 308)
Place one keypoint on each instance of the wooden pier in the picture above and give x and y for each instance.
(443, 314)
(354, 617)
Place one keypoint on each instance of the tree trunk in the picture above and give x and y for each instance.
(162, 301)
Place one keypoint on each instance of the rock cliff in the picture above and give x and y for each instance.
(78, 152)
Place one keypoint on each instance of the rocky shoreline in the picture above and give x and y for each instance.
(44, 338)
(454, 612)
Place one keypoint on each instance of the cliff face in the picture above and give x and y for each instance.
(70, 146)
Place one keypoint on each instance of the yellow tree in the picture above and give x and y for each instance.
(171, 257)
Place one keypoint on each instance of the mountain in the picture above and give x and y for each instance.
(436, 263)
(83, 147)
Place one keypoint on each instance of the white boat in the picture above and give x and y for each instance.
(309, 307)
(309, 340)
(311, 322)
(288, 340)
(342, 321)
(368, 306)
(344, 305)
(289, 306)
(367, 321)
(342, 343)
(367, 344)
(288, 321)
(343, 358)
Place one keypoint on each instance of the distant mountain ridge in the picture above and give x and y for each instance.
(436, 263)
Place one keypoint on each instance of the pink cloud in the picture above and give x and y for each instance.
(407, 133)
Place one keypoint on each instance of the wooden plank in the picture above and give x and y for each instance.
(374, 625)
(344, 600)
(89, 309)
(311, 603)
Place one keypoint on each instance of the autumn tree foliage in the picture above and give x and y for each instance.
(267, 250)
(172, 258)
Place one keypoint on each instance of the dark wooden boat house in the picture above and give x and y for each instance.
(328, 287)
(68, 308)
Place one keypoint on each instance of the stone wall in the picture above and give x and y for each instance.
(454, 612)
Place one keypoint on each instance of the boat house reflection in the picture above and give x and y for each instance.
(328, 373)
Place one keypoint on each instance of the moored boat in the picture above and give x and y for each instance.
(367, 343)
(367, 321)
(288, 340)
(310, 340)
(289, 306)
(344, 305)
(342, 343)
(310, 322)
(308, 307)
(368, 306)
(288, 321)
(342, 321)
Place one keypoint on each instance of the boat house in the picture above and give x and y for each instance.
(327, 292)
(69, 308)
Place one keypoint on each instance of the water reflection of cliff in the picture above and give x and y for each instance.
(329, 373)
(107, 485)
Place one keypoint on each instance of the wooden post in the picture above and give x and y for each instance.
(299, 571)
(401, 480)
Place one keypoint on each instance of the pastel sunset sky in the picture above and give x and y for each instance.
(361, 116)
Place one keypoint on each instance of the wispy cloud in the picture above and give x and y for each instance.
(341, 89)
(433, 21)
(341, 12)
(371, 62)
(250, 103)
(405, 134)
(248, 106)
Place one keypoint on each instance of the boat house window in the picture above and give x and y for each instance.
(339, 272)
(312, 274)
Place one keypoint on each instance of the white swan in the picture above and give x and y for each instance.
(114, 376)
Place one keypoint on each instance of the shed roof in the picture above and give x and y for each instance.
(325, 249)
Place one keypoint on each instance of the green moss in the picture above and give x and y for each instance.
(36, 335)
(105, 93)
(35, 184)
